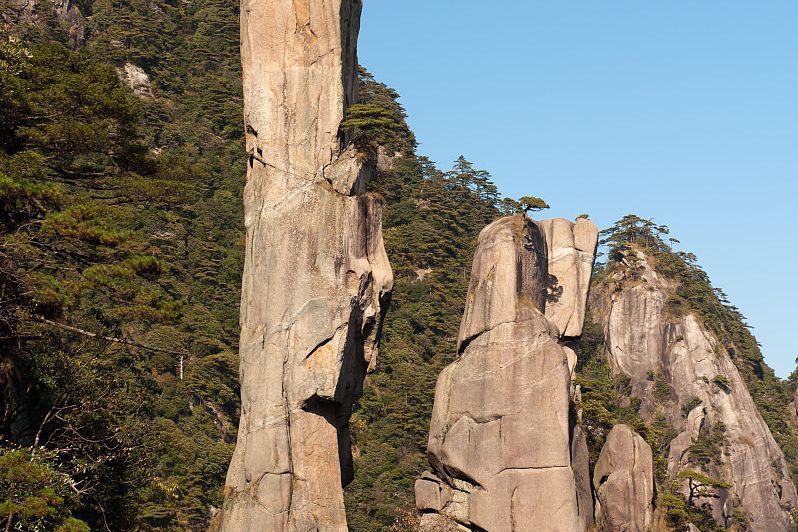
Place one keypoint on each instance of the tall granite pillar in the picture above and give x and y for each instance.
(316, 277)
(499, 444)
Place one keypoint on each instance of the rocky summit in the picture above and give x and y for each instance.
(680, 370)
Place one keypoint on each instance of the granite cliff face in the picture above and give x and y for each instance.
(316, 277)
(680, 370)
(499, 443)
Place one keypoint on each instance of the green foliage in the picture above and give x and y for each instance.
(699, 486)
(33, 495)
(710, 444)
(13, 54)
(532, 203)
(662, 390)
(690, 405)
(120, 218)
(680, 514)
(722, 381)
(371, 123)
(384, 120)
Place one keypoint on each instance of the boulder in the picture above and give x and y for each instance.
(571, 251)
(624, 482)
(136, 78)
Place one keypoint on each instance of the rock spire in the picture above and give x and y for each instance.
(316, 276)
(499, 444)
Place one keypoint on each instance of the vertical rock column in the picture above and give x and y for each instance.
(571, 250)
(499, 435)
(624, 482)
(316, 276)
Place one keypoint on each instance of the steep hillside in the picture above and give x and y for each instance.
(681, 363)
(121, 221)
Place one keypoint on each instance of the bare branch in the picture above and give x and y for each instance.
(90, 334)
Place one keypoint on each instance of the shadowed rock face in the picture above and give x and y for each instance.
(624, 482)
(580, 464)
(648, 346)
(316, 277)
(499, 439)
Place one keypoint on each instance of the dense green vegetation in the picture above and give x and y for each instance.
(120, 257)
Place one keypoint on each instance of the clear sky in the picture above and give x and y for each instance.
(682, 111)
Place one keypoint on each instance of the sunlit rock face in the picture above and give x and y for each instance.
(623, 479)
(316, 276)
(571, 248)
(679, 369)
(499, 443)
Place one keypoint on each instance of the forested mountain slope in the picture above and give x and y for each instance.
(120, 264)
(121, 218)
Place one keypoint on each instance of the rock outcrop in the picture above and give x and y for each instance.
(624, 481)
(65, 13)
(316, 277)
(679, 369)
(136, 78)
(499, 443)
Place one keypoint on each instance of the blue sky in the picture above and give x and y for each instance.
(682, 111)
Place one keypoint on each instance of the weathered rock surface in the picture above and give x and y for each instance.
(571, 252)
(499, 439)
(653, 349)
(136, 78)
(40, 12)
(624, 482)
(316, 276)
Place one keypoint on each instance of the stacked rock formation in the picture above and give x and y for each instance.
(316, 276)
(659, 351)
(571, 249)
(499, 443)
(624, 482)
